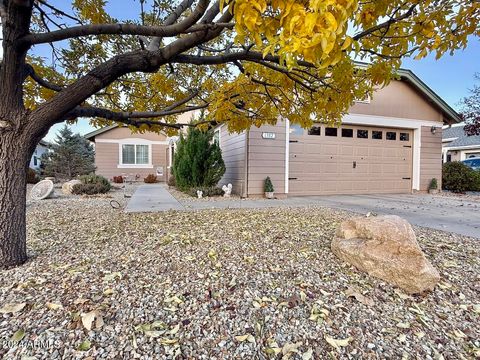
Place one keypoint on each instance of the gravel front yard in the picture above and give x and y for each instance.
(223, 284)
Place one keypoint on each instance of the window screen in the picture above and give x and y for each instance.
(331, 131)
(128, 154)
(142, 154)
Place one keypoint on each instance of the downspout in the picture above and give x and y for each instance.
(247, 152)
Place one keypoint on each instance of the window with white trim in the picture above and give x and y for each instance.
(135, 154)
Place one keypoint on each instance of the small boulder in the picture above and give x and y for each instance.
(67, 187)
(42, 190)
(386, 247)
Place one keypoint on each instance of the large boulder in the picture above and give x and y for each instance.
(386, 247)
(42, 190)
(67, 187)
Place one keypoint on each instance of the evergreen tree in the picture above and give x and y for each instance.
(71, 155)
(198, 160)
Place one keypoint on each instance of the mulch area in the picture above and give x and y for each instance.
(223, 284)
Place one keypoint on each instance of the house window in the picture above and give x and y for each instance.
(404, 136)
(296, 130)
(216, 137)
(377, 135)
(331, 131)
(135, 154)
(35, 161)
(391, 135)
(362, 134)
(315, 130)
(449, 157)
(347, 133)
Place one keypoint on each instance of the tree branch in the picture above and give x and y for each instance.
(30, 71)
(385, 24)
(187, 25)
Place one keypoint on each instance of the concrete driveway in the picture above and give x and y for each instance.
(461, 216)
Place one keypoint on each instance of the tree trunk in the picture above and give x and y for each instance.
(14, 156)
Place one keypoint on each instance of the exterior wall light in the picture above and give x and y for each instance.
(433, 129)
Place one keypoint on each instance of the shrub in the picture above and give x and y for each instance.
(458, 177)
(207, 191)
(433, 184)
(198, 161)
(93, 179)
(32, 177)
(150, 179)
(171, 181)
(268, 186)
(89, 189)
(118, 179)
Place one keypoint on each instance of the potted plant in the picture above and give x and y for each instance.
(433, 187)
(268, 188)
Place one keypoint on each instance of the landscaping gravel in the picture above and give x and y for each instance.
(223, 284)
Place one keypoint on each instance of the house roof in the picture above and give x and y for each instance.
(44, 143)
(450, 115)
(454, 136)
(91, 135)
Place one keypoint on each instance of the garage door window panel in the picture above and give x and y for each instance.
(362, 134)
(347, 133)
(315, 130)
(331, 131)
(404, 137)
(391, 135)
(377, 135)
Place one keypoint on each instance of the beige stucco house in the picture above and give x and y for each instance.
(389, 144)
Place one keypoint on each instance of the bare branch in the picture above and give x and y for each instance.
(386, 24)
(185, 26)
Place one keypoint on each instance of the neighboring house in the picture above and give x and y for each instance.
(457, 146)
(35, 161)
(391, 144)
(118, 151)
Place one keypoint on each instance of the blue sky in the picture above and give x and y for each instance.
(450, 76)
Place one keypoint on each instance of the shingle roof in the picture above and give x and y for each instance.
(461, 139)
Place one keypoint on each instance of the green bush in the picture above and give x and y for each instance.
(458, 177)
(171, 181)
(433, 184)
(96, 179)
(198, 161)
(32, 177)
(207, 191)
(89, 189)
(268, 186)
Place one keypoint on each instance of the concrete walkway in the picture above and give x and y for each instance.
(461, 216)
(152, 198)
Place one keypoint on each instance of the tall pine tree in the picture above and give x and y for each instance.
(71, 155)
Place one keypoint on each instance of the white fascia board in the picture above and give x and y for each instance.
(467, 147)
(133, 141)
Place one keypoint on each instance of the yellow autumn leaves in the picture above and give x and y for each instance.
(295, 30)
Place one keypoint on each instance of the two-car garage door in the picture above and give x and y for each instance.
(350, 160)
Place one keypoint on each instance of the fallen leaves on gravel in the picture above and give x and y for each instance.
(224, 284)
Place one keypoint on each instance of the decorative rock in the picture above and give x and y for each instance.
(68, 186)
(227, 189)
(42, 190)
(386, 247)
(199, 194)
